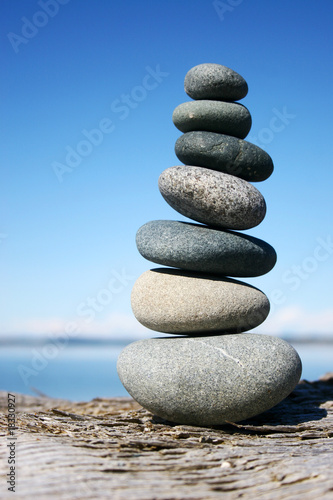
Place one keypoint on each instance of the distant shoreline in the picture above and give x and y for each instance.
(77, 342)
(100, 342)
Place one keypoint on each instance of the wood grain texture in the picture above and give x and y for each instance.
(114, 449)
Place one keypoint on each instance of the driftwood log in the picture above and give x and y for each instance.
(114, 449)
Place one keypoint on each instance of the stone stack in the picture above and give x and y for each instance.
(211, 372)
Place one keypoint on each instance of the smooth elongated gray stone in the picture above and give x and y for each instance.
(215, 81)
(225, 154)
(208, 381)
(200, 248)
(229, 118)
(175, 301)
(212, 197)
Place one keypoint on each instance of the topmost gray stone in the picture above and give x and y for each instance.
(214, 81)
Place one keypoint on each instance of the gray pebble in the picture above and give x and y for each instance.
(229, 118)
(200, 248)
(224, 153)
(175, 301)
(208, 381)
(212, 197)
(214, 81)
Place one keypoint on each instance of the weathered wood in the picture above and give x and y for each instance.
(114, 449)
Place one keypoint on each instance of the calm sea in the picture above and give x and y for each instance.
(80, 373)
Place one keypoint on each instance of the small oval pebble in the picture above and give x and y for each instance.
(225, 154)
(214, 81)
(228, 118)
(208, 381)
(200, 248)
(212, 197)
(176, 301)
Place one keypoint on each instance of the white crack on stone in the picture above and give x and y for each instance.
(238, 361)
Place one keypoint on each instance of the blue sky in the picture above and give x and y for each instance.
(88, 92)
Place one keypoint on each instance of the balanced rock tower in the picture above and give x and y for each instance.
(209, 371)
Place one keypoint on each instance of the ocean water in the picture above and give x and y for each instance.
(85, 372)
(75, 373)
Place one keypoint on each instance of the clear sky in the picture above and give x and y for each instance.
(87, 93)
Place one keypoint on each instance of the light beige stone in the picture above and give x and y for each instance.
(175, 301)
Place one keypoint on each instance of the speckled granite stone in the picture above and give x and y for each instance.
(209, 380)
(229, 118)
(224, 153)
(212, 197)
(175, 301)
(200, 248)
(214, 81)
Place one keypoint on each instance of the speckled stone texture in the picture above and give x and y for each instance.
(229, 118)
(214, 81)
(209, 380)
(212, 197)
(176, 301)
(200, 248)
(224, 153)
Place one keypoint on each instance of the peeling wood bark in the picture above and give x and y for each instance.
(114, 449)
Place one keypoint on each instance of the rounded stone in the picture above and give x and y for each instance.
(216, 82)
(212, 197)
(224, 153)
(229, 118)
(200, 248)
(208, 381)
(176, 301)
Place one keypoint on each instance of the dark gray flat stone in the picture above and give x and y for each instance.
(214, 81)
(209, 380)
(200, 248)
(224, 153)
(212, 197)
(176, 301)
(230, 118)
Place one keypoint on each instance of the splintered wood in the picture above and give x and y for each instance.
(114, 449)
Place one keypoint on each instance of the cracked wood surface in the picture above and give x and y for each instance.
(114, 449)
